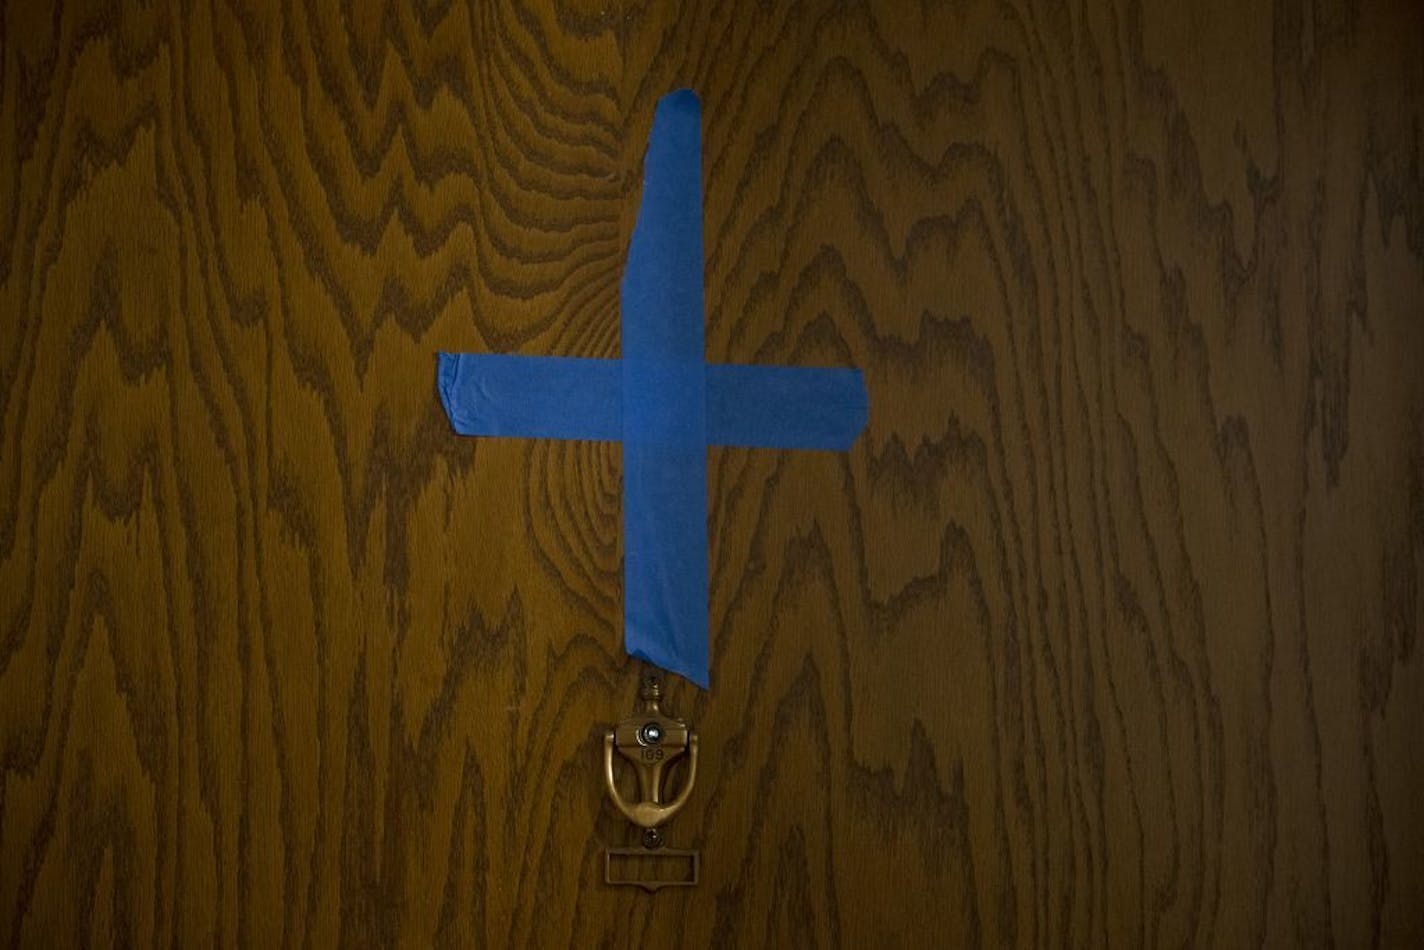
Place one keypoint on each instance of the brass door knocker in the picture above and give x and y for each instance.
(652, 742)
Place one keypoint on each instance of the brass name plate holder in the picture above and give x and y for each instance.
(652, 742)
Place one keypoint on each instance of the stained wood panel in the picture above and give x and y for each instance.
(1104, 633)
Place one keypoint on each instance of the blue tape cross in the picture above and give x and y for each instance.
(662, 401)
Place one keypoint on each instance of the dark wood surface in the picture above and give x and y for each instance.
(1104, 633)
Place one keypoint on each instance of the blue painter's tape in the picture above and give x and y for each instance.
(554, 397)
(662, 283)
(785, 407)
(665, 557)
(662, 401)
(539, 397)
(665, 403)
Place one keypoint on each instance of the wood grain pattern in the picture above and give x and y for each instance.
(1105, 633)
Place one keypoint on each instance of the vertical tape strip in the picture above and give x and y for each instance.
(665, 404)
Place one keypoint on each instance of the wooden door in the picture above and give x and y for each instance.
(1104, 633)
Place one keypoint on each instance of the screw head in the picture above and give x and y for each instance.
(652, 838)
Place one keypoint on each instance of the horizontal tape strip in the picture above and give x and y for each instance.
(538, 397)
(554, 397)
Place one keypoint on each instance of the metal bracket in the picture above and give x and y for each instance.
(622, 866)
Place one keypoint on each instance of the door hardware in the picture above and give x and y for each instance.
(652, 742)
